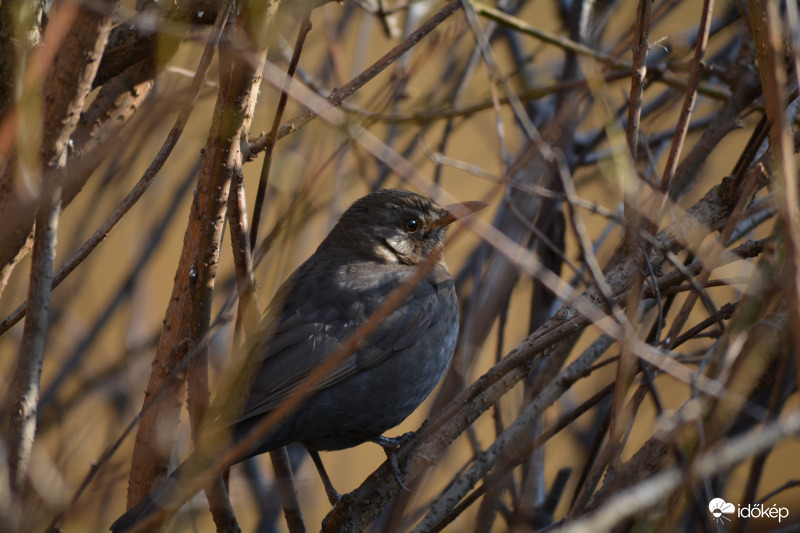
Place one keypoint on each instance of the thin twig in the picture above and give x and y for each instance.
(639, 49)
(271, 139)
(22, 427)
(689, 98)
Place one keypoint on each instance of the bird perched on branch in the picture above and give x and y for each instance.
(375, 308)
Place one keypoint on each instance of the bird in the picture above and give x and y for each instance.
(382, 242)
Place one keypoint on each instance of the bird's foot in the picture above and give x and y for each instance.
(332, 495)
(393, 442)
(390, 446)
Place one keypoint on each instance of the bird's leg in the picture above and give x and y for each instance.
(390, 446)
(333, 496)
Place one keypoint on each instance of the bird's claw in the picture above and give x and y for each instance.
(390, 446)
(398, 475)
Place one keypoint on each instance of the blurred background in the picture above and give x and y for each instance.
(526, 105)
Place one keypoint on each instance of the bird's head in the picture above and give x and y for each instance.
(396, 226)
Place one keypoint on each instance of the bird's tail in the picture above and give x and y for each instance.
(164, 500)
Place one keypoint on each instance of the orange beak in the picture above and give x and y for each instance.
(458, 211)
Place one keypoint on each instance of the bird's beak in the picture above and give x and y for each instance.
(457, 212)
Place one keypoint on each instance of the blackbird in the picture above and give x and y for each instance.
(376, 247)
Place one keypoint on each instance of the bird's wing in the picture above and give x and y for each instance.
(312, 331)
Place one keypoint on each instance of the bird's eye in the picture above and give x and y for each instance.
(411, 225)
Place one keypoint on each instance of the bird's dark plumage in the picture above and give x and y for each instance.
(376, 247)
